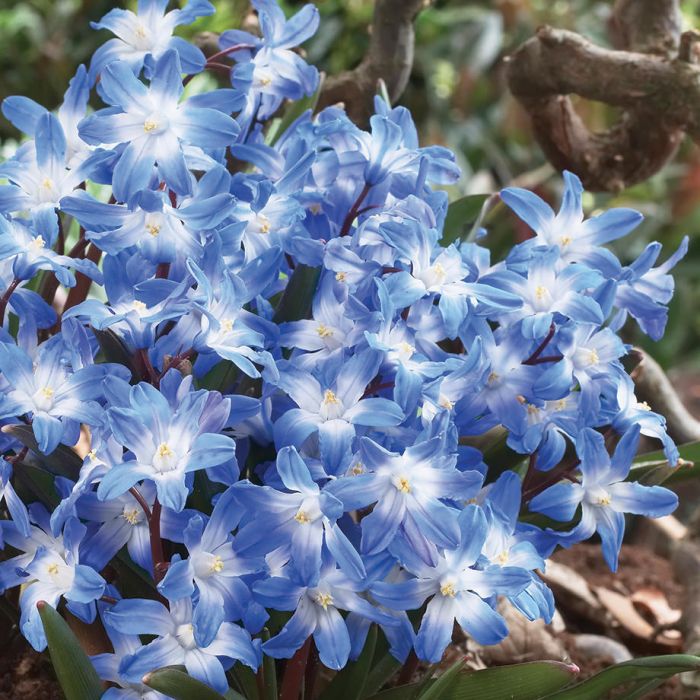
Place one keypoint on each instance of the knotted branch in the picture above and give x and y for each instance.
(389, 57)
(653, 78)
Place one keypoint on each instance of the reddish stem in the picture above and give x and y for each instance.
(150, 373)
(219, 54)
(354, 210)
(408, 669)
(156, 543)
(541, 347)
(174, 361)
(6, 298)
(294, 673)
(141, 501)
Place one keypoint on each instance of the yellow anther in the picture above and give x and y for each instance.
(153, 229)
(47, 183)
(217, 566)
(324, 600)
(265, 81)
(137, 305)
(92, 454)
(565, 241)
(446, 403)
(520, 399)
(264, 224)
(561, 405)
(532, 409)
(593, 357)
(302, 517)
(540, 292)
(141, 31)
(604, 500)
(47, 392)
(643, 406)
(227, 325)
(403, 485)
(131, 516)
(357, 469)
(406, 348)
(340, 276)
(492, 377)
(164, 450)
(315, 208)
(329, 397)
(439, 271)
(448, 590)
(38, 243)
(502, 558)
(52, 569)
(150, 125)
(324, 331)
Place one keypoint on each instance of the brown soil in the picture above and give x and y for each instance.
(638, 568)
(26, 674)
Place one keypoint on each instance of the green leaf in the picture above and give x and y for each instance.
(114, 350)
(462, 214)
(652, 468)
(181, 686)
(444, 683)
(62, 461)
(638, 671)
(73, 668)
(39, 482)
(269, 671)
(381, 672)
(526, 681)
(349, 684)
(296, 300)
(294, 111)
(246, 681)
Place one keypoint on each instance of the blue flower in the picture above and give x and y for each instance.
(577, 240)
(168, 440)
(154, 125)
(603, 493)
(143, 37)
(302, 522)
(316, 612)
(409, 490)
(643, 291)
(161, 232)
(57, 398)
(215, 568)
(175, 642)
(48, 570)
(267, 65)
(333, 409)
(459, 591)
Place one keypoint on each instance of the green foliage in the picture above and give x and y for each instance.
(637, 674)
(526, 681)
(180, 686)
(75, 672)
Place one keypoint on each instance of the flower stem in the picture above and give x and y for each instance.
(294, 673)
(354, 210)
(156, 542)
(6, 298)
(533, 359)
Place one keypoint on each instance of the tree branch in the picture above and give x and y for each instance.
(389, 57)
(655, 81)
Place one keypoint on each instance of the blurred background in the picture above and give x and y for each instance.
(458, 97)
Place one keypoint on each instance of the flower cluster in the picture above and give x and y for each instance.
(264, 387)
